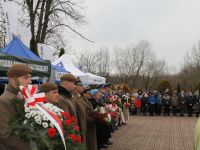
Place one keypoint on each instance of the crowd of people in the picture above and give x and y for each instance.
(98, 113)
(166, 103)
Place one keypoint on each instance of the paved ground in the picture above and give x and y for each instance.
(155, 133)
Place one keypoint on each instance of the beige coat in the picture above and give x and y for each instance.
(82, 114)
(66, 102)
(7, 112)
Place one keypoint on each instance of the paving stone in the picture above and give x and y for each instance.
(155, 133)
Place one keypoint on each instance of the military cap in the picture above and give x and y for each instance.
(78, 81)
(86, 90)
(68, 77)
(18, 70)
(47, 87)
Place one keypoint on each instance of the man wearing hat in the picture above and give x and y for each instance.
(104, 89)
(66, 101)
(91, 141)
(51, 92)
(80, 106)
(18, 74)
(102, 130)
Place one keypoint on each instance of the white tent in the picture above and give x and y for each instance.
(94, 79)
(87, 78)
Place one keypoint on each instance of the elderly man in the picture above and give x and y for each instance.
(81, 107)
(66, 101)
(104, 89)
(18, 74)
(91, 121)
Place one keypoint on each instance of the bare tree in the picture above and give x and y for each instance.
(87, 61)
(189, 74)
(48, 18)
(192, 58)
(151, 73)
(95, 61)
(130, 61)
(104, 65)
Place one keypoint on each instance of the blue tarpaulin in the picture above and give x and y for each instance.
(17, 48)
(59, 69)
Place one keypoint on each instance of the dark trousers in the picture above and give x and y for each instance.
(144, 108)
(152, 109)
(183, 109)
(174, 110)
(189, 108)
(158, 109)
(103, 134)
(166, 109)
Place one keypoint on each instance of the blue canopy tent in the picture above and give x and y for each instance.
(59, 71)
(22, 54)
(17, 48)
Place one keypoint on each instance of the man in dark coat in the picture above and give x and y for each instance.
(80, 106)
(166, 102)
(196, 100)
(144, 103)
(182, 103)
(66, 102)
(91, 122)
(102, 130)
(18, 74)
(189, 103)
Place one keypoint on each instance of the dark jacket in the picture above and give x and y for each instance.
(91, 138)
(66, 101)
(80, 106)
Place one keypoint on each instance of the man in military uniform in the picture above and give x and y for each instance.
(18, 74)
(80, 106)
(66, 102)
(91, 122)
(51, 92)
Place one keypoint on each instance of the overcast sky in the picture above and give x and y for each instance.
(171, 26)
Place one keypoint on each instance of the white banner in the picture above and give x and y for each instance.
(10, 11)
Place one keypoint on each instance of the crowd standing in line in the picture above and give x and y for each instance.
(97, 112)
(94, 113)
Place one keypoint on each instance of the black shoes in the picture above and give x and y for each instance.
(103, 146)
(109, 143)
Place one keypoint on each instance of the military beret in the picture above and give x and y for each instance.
(47, 87)
(18, 70)
(68, 77)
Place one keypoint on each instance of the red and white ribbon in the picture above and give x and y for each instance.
(36, 100)
(29, 94)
